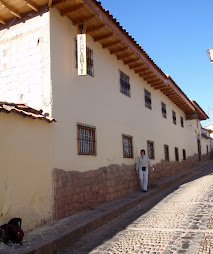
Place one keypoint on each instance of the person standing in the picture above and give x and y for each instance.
(142, 164)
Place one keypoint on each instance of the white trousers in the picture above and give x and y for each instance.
(143, 176)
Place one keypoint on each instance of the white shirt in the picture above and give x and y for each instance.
(143, 161)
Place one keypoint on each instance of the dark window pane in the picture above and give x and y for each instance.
(86, 140)
(124, 84)
(163, 108)
(181, 120)
(176, 154)
(184, 154)
(174, 117)
(127, 147)
(148, 101)
(166, 151)
(150, 148)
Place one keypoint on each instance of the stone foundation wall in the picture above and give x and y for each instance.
(206, 156)
(167, 168)
(76, 191)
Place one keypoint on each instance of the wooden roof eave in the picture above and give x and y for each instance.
(182, 96)
(50, 2)
(13, 11)
(201, 114)
(121, 36)
(3, 21)
(109, 23)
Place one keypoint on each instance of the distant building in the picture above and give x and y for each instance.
(210, 129)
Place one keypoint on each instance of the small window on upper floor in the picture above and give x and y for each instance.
(124, 84)
(163, 109)
(182, 122)
(148, 101)
(90, 66)
(174, 117)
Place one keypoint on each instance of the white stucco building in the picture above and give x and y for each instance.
(124, 104)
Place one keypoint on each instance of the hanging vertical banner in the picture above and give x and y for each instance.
(82, 54)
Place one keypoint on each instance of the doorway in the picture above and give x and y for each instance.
(199, 149)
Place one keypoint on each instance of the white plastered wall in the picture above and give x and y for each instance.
(25, 63)
(97, 101)
(204, 143)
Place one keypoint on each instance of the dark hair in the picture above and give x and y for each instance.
(143, 151)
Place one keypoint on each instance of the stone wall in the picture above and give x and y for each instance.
(76, 191)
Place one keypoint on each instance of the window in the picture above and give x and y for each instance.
(174, 117)
(184, 154)
(90, 67)
(124, 84)
(207, 149)
(163, 108)
(86, 140)
(127, 146)
(181, 121)
(176, 154)
(166, 152)
(150, 148)
(148, 101)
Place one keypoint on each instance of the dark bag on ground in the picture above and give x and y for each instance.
(12, 231)
(144, 168)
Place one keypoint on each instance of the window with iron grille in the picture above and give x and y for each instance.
(90, 69)
(166, 152)
(148, 101)
(127, 146)
(150, 148)
(174, 117)
(184, 154)
(124, 84)
(90, 66)
(176, 154)
(86, 140)
(163, 108)
(181, 121)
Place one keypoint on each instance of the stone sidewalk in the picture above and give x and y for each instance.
(55, 237)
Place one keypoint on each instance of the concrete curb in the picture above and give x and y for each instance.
(52, 238)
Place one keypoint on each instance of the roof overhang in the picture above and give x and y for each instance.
(104, 28)
(201, 114)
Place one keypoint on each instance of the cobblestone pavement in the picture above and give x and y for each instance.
(176, 221)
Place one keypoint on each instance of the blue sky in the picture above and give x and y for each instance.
(176, 35)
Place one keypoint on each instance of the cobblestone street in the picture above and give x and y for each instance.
(176, 221)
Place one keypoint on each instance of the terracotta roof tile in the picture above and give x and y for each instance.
(24, 110)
